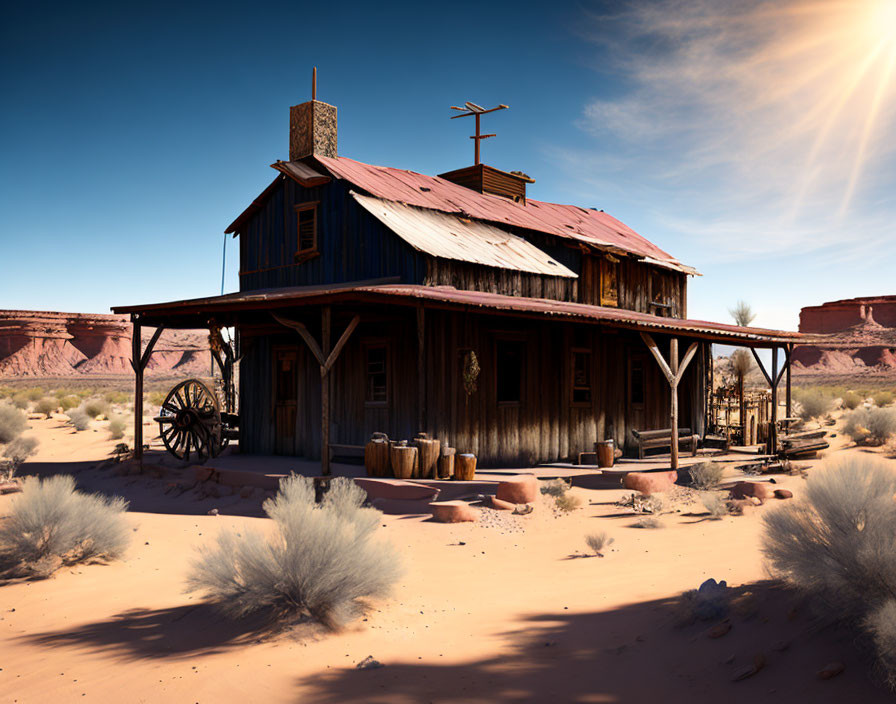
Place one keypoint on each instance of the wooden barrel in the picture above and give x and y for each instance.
(606, 453)
(404, 460)
(464, 467)
(376, 456)
(446, 462)
(427, 456)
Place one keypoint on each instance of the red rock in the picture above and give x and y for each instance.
(719, 630)
(831, 670)
(502, 505)
(650, 482)
(453, 512)
(520, 489)
(783, 494)
(746, 490)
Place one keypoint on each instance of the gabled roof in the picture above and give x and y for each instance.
(461, 239)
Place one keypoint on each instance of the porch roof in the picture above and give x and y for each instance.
(229, 308)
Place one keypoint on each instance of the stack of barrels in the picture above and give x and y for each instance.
(422, 458)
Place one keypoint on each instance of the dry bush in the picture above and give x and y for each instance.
(643, 503)
(117, 397)
(880, 624)
(12, 422)
(851, 400)
(741, 363)
(117, 426)
(320, 564)
(871, 426)
(882, 398)
(554, 487)
(46, 406)
(706, 475)
(34, 394)
(20, 400)
(69, 402)
(567, 502)
(742, 313)
(78, 419)
(648, 522)
(156, 398)
(95, 407)
(51, 524)
(714, 503)
(598, 541)
(813, 403)
(16, 453)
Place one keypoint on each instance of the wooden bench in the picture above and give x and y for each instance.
(651, 439)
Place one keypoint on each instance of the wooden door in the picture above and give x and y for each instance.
(285, 400)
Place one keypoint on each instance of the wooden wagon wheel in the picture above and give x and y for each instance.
(190, 421)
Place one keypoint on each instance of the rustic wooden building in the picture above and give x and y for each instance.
(379, 299)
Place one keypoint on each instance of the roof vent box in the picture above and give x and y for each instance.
(487, 179)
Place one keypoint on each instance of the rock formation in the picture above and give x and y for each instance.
(50, 344)
(852, 336)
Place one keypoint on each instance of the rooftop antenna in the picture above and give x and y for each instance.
(477, 111)
(314, 84)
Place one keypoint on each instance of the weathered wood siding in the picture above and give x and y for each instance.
(640, 286)
(545, 426)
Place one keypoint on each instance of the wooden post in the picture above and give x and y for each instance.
(788, 362)
(421, 370)
(773, 430)
(325, 392)
(136, 345)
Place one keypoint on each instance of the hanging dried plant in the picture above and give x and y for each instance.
(215, 340)
(471, 372)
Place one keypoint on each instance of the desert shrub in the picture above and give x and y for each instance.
(156, 398)
(20, 400)
(117, 426)
(95, 407)
(706, 475)
(882, 398)
(813, 403)
(554, 487)
(34, 394)
(742, 313)
(69, 402)
(871, 426)
(51, 524)
(46, 406)
(880, 624)
(851, 400)
(714, 504)
(16, 452)
(319, 564)
(598, 541)
(117, 397)
(78, 419)
(648, 522)
(12, 422)
(741, 363)
(567, 502)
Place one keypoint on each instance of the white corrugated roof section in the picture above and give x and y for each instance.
(453, 237)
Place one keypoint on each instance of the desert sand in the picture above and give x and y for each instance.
(507, 610)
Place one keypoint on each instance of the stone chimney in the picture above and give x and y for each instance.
(312, 127)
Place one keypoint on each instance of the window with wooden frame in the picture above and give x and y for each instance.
(510, 371)
(376, 364)
(580, 377)
(609, 281)
(306, 231)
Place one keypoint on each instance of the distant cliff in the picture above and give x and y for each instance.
(857, 335)
(50, 344)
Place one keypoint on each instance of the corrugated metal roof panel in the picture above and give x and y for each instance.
(451, 237)
(586, 225)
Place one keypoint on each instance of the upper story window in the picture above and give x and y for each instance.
(609, 281)
(581, 377)
(306, 241)
(376, 361)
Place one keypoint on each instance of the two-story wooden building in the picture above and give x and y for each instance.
(378, 299)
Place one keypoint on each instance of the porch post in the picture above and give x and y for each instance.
(325, 393)
(136, 345)
(788, 362)
(421, 370)
(673, 383)
(773, 430)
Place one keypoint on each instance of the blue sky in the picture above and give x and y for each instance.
(133, 135)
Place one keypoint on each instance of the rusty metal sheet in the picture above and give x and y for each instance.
(593, 227)
(443, 296)
(451, 237)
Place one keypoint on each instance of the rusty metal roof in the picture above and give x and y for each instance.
(586, 225)
(452, 237)
(184, 312)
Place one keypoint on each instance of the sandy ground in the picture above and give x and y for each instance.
(505, 611)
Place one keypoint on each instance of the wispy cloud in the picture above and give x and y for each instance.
(772, 123)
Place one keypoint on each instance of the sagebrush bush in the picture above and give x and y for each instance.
(95, 407)
(157, 398)
(554, 487)
(69, 402)
(714, 503)
(851, 400)
(34, 394)
(117, 397)
(567, 502)
(20, 400)
(706, 475)
(882, 398)
(12, 422)
(880, 624)
(117, 426)
(46, 406)
(871, 426)
(813, 403)
(20, 450)
(648, 522)
(320, 564)
(78, 419)
(51, 524)
(598, 541)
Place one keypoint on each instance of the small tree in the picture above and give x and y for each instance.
(742, 313)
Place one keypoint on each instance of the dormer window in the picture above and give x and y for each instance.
(306, 219)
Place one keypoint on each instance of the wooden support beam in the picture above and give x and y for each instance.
(334, 355)
(789, 410)
(306, 336)
(139, 360)
(421, 369)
